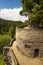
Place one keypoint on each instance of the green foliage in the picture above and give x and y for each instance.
(26, 23)
(12, 31)
(4, 40)
(37, 14)
(21, 26)
(7, 30)
(21, 12)
(1, 60)
(27, 5)
(6, 24)
(35, 7)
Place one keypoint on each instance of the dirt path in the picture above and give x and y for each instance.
(24, 60)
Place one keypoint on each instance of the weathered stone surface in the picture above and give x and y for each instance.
(9, 57)
(33, 38)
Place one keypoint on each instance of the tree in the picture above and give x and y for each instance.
(12, 31)
(35, 9)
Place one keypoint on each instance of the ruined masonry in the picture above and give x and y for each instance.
(30, 41)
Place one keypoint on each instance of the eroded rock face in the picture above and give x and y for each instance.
(30, 41)
(9, 56)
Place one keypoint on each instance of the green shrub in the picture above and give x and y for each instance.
(4, 40)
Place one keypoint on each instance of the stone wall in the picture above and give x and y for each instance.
(9, 56)
(29, 39)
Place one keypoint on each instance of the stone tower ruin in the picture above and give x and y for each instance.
(30, 41)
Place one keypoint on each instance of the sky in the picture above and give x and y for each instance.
(9, 10)
(10, 3)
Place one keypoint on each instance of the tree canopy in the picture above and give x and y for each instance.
(6, 24)
(35, 9)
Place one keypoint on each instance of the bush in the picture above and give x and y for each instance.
(12, 31)
(4, 40)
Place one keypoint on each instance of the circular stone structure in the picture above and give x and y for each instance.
(30, 41)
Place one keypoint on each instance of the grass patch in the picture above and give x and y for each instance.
(1, 60)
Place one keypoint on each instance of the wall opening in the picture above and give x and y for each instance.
(27, 46)
(36, 52)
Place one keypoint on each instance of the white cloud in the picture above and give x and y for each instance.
(12, 14)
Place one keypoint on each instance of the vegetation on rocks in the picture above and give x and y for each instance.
(34, 8)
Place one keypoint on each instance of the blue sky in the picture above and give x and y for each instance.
(10, 9)
(10, 3)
